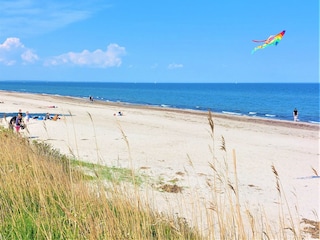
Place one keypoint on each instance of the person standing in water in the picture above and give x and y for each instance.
(295, 115)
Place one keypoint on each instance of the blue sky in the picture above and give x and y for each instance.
(158, 41)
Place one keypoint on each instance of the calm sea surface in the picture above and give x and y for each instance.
(268, 100)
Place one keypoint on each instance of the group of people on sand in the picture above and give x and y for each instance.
(19, 122)
(54, 118)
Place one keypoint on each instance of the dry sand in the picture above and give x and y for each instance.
(175, 146)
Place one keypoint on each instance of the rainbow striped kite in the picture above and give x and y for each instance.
(272, 40)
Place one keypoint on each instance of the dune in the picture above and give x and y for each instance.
(176, 147)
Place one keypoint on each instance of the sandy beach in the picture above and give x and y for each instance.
(173, 145)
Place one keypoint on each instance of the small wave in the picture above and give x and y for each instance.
(232, 113)
(164, 105)
(270, 115)
(252, 113)
(315, 122)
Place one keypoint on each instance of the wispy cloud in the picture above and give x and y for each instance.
(175, 65)
(30, 17)
(12, 51)
(98, 58)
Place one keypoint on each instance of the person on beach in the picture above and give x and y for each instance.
(19, 123)
(295, 115)
(118, 114)
(56, 117)
(47, 116)
(12, 122)
(27, 117)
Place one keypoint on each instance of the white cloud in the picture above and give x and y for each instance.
(175, 65)
(98, 58)
(29, 56)
(12, 51)
(11, 43)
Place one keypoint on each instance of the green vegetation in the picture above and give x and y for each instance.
(44, 195)
(111, 174)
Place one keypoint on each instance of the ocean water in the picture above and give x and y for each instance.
(267, 100)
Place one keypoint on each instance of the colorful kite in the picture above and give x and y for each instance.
(272, 40)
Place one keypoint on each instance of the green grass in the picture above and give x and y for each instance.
(111, 174)
(44, 195)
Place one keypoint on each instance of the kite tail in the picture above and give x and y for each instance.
(259, 47)
(254, 50)
(259, 40)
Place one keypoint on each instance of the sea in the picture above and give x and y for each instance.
(266, 100)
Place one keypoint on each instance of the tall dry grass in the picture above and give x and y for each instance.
(42, 197)
(226, 213)
(229, 219)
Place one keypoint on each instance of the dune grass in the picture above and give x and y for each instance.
(45, 195)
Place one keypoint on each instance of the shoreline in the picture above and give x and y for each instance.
(246, 118)
(257, 115)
